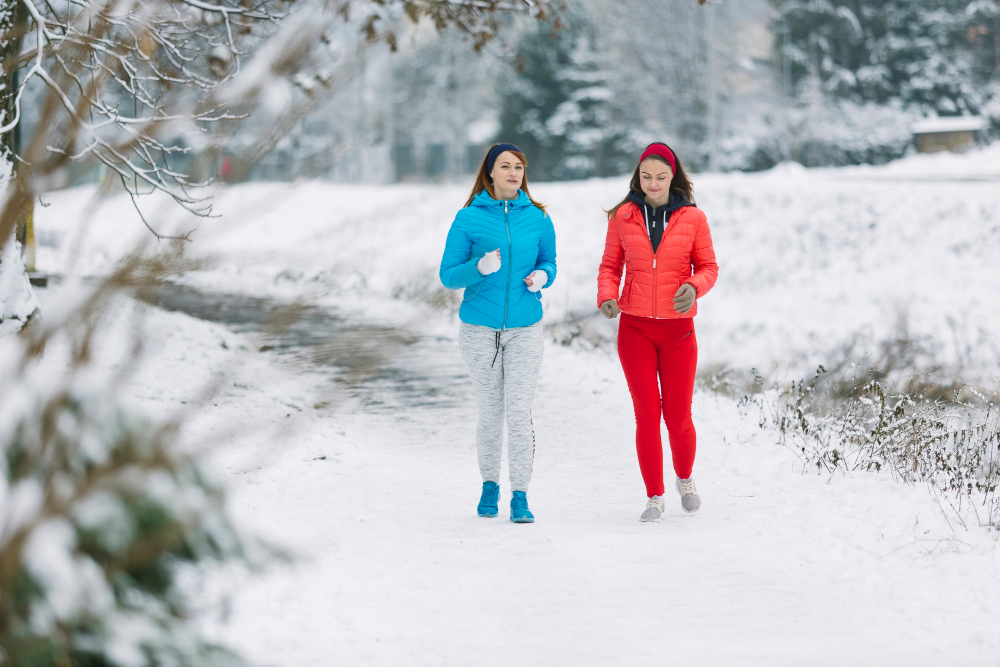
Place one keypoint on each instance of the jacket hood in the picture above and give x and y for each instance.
(677, 200)
(484, 199)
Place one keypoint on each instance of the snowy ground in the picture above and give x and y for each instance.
(373, 484)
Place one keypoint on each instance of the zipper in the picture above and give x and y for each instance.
(662, 234)
(644, 224)
(654, 280)
(510, 255)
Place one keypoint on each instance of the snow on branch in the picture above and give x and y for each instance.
(125, 79)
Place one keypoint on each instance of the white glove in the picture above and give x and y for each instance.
(538, 279)
(490, 263)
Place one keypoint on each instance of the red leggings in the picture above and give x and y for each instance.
(649, 348)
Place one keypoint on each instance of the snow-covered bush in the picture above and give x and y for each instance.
(100, 514)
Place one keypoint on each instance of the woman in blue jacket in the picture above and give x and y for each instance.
(502, 250)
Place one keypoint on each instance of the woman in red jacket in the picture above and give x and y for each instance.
(662, 241)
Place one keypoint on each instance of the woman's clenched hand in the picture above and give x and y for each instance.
(536, 280)
(684, 298)
(490, 263)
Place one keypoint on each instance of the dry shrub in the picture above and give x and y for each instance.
(952, 446)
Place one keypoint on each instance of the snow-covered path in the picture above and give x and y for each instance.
(778, 568)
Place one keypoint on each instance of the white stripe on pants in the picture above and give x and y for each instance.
(507, 384)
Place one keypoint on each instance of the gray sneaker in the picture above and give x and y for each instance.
(654, 509)
(689, 495)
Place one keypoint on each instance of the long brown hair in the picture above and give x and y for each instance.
(680, 183)
(483, 181)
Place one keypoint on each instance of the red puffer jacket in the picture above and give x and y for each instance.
(652, 280)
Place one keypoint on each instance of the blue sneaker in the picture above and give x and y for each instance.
(488, 502)
(519, 512)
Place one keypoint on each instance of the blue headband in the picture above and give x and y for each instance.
(494, 153)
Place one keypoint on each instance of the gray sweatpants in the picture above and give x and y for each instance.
(509, 383)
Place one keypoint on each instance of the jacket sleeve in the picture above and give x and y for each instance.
(458, 267)
(609, 276)
(547, 251)
(706, 270)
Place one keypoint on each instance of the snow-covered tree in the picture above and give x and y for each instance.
(662, 57)
(559, 106)
(983, 34)
(932, 54)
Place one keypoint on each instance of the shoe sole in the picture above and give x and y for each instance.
(513, 520)
(488, 516)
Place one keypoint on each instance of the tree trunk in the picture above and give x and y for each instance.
(14, 24)
(17, 300)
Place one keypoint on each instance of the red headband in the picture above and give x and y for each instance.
(663, 151)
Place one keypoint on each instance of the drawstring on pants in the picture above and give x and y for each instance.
(498, 350)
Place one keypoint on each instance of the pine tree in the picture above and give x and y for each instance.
(559, 108)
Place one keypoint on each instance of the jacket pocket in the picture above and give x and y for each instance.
(627, 292)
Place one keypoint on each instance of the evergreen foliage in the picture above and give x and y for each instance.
(559, 107)
(936, 55)
(102, 514)
(106, 520)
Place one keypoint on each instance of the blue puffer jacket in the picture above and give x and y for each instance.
(527, 241)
